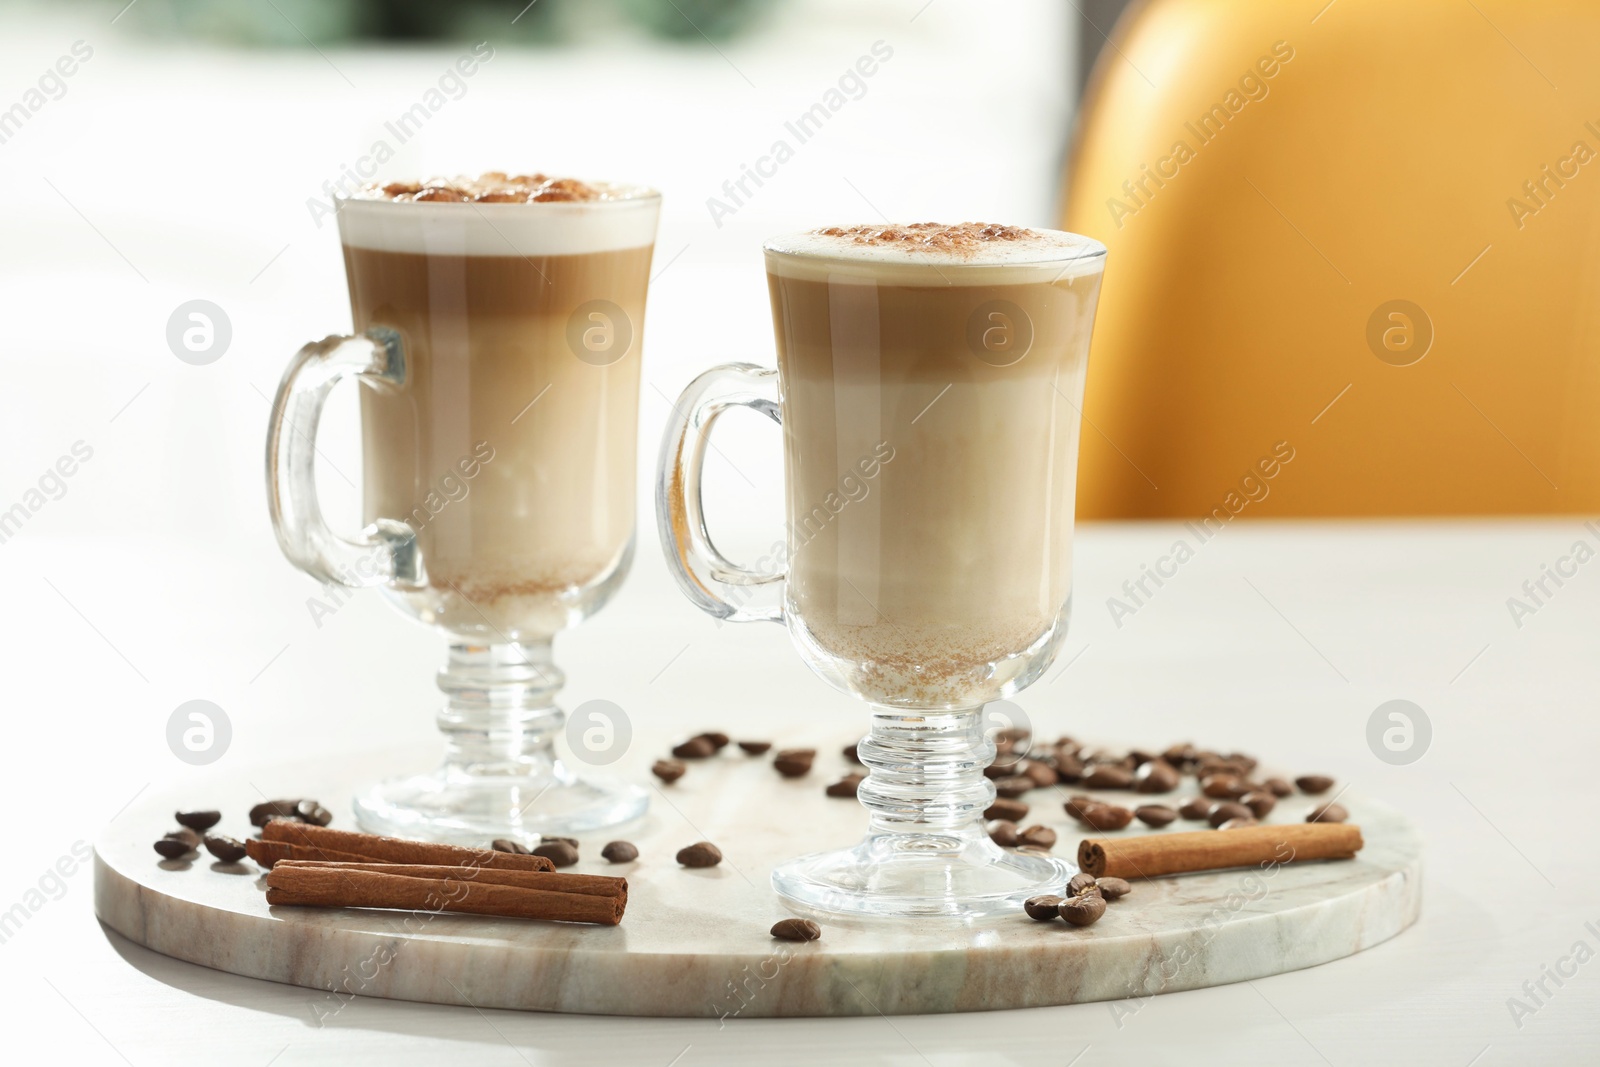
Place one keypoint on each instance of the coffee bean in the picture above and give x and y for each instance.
(1041, 774)
(853, 752)
(1013, 733)
(559, 853)
(1220, 786)
(1082, 882)
(1157, 815)
(796, 930)
(1013, 786)
(1109, 776)
(1314, 784)
(1196, 808)
(695, 748)
(1006, 808)
(1069, 768)
(310, 811)
(549, 840)
(1106, 817)
(1038, 837)
(1228, 809)
(1260, 802)
(190, 839)
(1181, 756)
(1002, 832)
(1240, 822)
(718, 739)
(1278, 787)
(172, 849)
(200, 821)
(1042, 908)
(226, 849)
(1155, 776)
(505, 844)
(846, 786)
(668, 770)
(620, 852)
(1328, 813)
(795, 762)
(1084, 909)
(1078, 803)
(755, 748)
(700, 854)
(1113, 888)
(268, 809)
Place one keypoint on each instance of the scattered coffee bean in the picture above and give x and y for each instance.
(560, 853)
(309, 811)
(1042, 908)
(1181, 756)
(1006, 808)
(1084, 909)
(1220, 786)
(755, 748)
(1260, 802)
(1195, 808)
(268, 809)
(1314, 784)
(1078, 803)
(853, 753)
(796, 930)
(620, 852)
(695, 748)
(1328, 813)
(1082, 882)
(668, 770)
(1012, 786)
(1155, 776)
(1157, 815)
(191, 839)
(1222, 811)
(1109, 776)
(1037, 837)
(846, 786)
(1239, 822)
(171, 849)
(226, 849)
(1278, 787)
(1041, 774)
(718, 739)
(700, 854)
(1113, 888)
(1003, 832)
(1106, 817)
(200, 821)
(505, 844)
(795, 762)
(1069, 768)
(548, 840)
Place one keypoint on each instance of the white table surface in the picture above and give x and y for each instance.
(1277, 638)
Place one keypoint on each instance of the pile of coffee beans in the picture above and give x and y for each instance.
(195, 830)
(1083, 902)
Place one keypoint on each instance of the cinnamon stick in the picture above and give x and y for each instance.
(372, 848)
(594, 885)
(306, 885)
(267, 853)
(1151, 855)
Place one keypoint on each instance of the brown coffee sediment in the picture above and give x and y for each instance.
(932, 586)
(493, 387)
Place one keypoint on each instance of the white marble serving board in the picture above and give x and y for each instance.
(695, 942)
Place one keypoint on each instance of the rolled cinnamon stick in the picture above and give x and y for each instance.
(1151, 855)
(302, 885)
(594, 885)
(372, 848)
(267, 853)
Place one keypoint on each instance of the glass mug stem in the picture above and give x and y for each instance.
(926, 778)
(500, 716)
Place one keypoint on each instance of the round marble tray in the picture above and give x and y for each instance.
(695, 942)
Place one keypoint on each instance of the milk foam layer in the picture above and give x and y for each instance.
(624, 217)
(928, 247)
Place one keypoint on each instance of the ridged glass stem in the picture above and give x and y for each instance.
(500, 717)
(926, 771)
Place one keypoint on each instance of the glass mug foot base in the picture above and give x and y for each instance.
(474, 810)
(954, 875)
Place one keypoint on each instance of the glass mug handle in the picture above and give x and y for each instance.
(715, 584)
(386, 551)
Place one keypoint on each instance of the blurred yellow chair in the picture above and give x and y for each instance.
(1354, 259)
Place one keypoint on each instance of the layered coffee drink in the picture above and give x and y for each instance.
(931, 380)
(509, 448)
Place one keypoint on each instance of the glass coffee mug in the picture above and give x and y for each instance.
(497, 349)
(928, 385)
